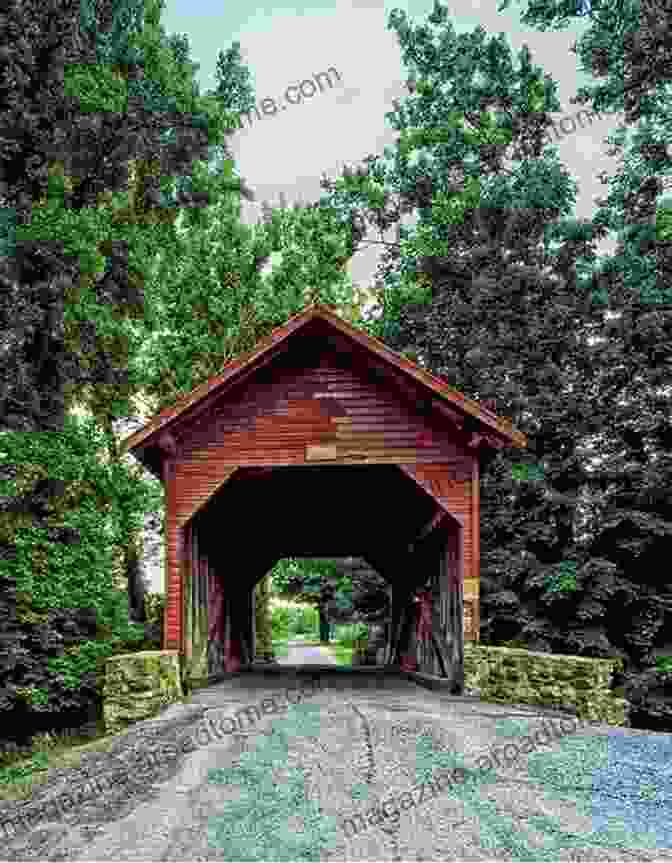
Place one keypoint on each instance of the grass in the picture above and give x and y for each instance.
(342, 647)
(343, 653)
(20, 772)
(280, 648)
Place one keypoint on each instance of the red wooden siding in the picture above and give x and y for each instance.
(451, 488)
(197, 483)
(317, 392)
(330, 412)
(472, 581)
(320, 321)
(325, 413)
(174, 554)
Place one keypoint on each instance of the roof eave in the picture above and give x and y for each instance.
(245, 364)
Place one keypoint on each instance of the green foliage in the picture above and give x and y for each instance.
(280, 623)
(321, 581)
(342, 653)
(527, 472)
(454, 137)
(211, 301)
(155, 606)
(234, 88)
(99, 500)
(352, 634)
(627, 42)
(263, 619)
(288, 621)
(113, 43)
(166, 64)
(123, 216)
(664, 224)
(515, 644)
(341, 589)
(33, 694)
(24, 772)
(301, 579)
(79, 660)
(304, 621)
(564, 580)
(96, 88)
(664, 663)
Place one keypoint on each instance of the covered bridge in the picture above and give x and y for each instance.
(321, 442)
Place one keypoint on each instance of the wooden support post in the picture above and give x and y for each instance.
(216, 622)
(429, 527)
(456, 612)
(173, 634)
(245, 626)
(405, 621)
(438, 629)
(475, 573)
(389, 625)
(253, 622)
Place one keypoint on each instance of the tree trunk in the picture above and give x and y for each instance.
(324, 624)
(136, 586)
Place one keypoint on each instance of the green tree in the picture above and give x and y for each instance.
(211, 301)
(340, 588)
(100, 110)
(624, 48)
(312, 581)
(146, 224)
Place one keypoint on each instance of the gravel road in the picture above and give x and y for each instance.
(298, 654)
(348, 750)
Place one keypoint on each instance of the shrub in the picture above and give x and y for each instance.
(155, 606)
(65, 514)
(664, 663)
(280, 623)
(352, 634)
(304, 620)
(289, 620)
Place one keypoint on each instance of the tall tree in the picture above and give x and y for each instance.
(312, 581)
(625, 50)
(341, 588)
(93, 114)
